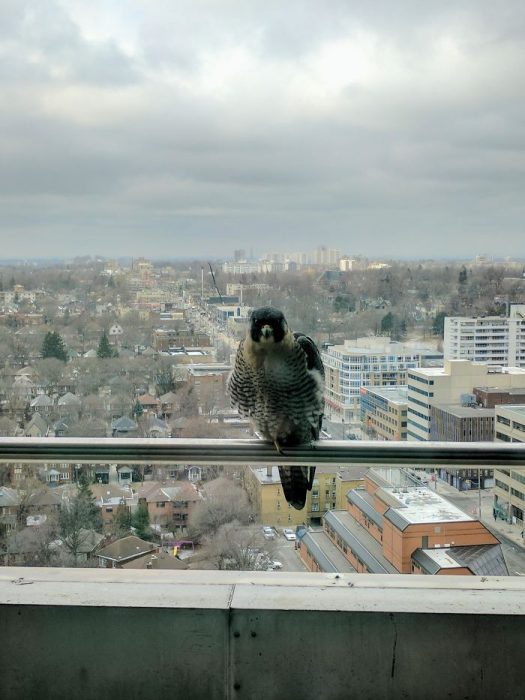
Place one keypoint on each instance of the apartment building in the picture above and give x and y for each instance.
(431, 386)
(496, 340)
(264, 488)
(368, 362)
(409, 530)
(509, 485)
(384, 412)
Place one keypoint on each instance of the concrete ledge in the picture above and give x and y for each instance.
(91, 633)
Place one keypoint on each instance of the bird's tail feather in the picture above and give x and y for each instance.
(296, 481)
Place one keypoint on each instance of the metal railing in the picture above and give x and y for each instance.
(466, 455)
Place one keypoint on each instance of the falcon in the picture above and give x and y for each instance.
(278, 382)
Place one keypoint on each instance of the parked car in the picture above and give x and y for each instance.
(269, 533)
(289, 534)
(276, 564)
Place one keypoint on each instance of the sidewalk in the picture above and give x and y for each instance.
(468, 501)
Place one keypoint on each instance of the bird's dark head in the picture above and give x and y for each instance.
(267, 325)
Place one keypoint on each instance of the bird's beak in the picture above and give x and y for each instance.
(266, 331)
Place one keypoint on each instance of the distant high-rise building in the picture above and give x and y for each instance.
(345, 264)
(365, 362)
(239, 254)
(495, 340)
(298, 257)
(327, 256)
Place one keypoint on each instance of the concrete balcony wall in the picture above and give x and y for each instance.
(86, 634)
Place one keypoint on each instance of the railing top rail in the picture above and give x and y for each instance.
(469, 455)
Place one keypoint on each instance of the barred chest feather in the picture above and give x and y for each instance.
(279, 393)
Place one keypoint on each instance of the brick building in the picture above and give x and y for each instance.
(408, 530)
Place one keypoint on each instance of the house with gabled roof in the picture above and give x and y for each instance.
(69, 404)
(37, 426)
(42, 403)
(125, 550)
(170, 504)
(149, 403)
(124, 427)
(24, 387)
(169, 403)
(156, 428)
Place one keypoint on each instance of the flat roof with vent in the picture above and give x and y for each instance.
(416, 505)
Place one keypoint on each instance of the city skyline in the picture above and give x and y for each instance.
(145, 129)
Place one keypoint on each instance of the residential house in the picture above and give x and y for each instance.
(124, 427)
(170, 505)
(44, 501)
(124, 474)
(115, 333)
(110, 497)
(57, 474)
(42, 403)
(123, 551)
(89, 543)
(169, 404)
(156, 428)
(24, 387)
(69, 406)
(149, 403)
(158, 561)
(37, 426)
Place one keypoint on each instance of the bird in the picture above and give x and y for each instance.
(278, 382)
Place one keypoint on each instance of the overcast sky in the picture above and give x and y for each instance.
(192, 127)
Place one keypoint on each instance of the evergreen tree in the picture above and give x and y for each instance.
(122, 520)
(104, 348)
(53, 346)
(137, 409)
(462, 277)
(140, 520)
(77, 517)
(387, 323)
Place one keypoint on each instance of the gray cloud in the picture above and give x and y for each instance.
(190, 128)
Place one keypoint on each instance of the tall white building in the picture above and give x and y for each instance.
(327, 256)
(495, 340)
(374, 361)
(432, 386)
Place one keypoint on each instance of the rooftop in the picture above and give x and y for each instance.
(482, 560)
(126, 548)
(518, 410)
(466, 411)
(421, 505)
(395, 394)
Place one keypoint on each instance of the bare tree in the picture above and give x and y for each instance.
(50, 370)
(225, 502)
(238, 547)
(36, 545)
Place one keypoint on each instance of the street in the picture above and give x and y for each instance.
(286, 553)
